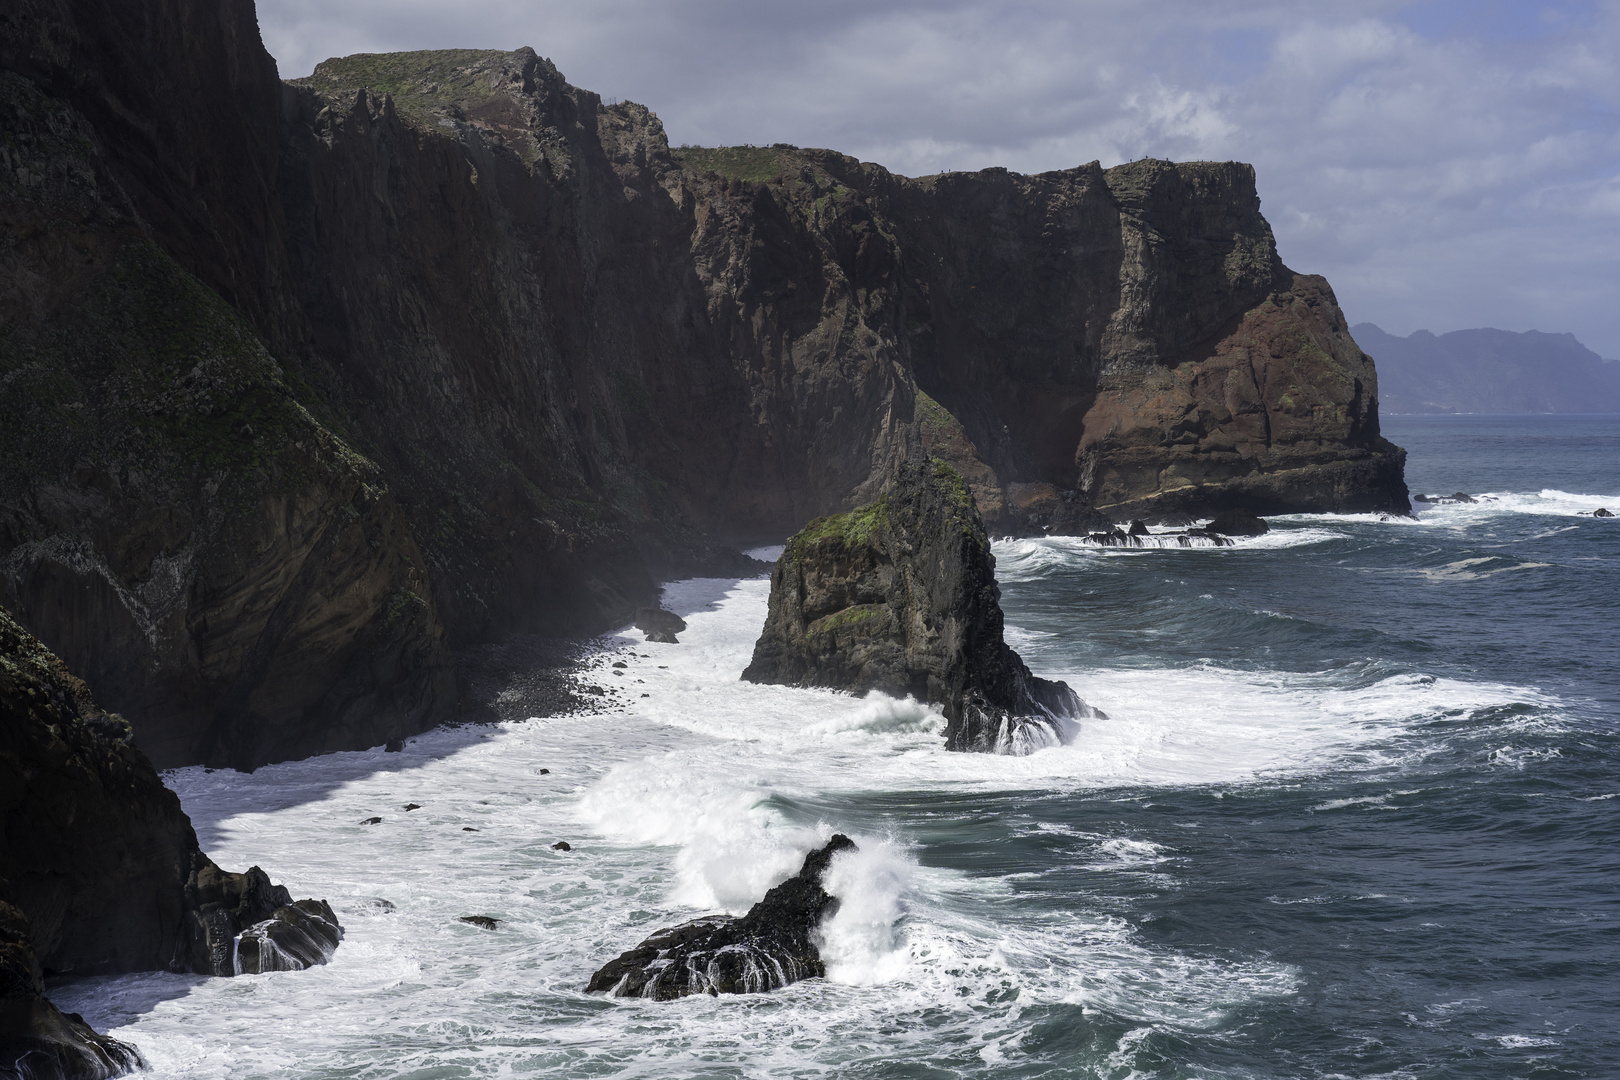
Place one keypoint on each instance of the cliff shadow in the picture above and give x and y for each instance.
(114, 1001)
(688, 597)
(212, 796)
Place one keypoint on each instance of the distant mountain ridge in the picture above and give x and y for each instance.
(1489, 371)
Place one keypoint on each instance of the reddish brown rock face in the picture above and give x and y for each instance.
(1280, 416)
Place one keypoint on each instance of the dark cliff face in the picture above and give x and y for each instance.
(100, 872)
(428, 348)
(900, 596)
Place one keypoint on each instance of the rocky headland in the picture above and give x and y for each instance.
(900, 596)
(312, 386)
(101, 873)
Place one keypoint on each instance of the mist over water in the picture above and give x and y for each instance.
(1355, 812)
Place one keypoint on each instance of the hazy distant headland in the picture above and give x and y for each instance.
(1489, 371)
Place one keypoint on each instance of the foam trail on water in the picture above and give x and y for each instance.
(698, 798)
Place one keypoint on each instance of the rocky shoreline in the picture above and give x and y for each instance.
(101, 873)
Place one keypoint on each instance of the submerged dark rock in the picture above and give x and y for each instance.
(483, 922)
(1186, 538)
(768, 948)
(660, 625)
(1602, 512)
(562, 845)
(900, 596)
(1237, 523)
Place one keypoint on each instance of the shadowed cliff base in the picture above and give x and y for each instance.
(312, 385)
(101, 872)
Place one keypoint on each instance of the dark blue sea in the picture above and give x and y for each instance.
(1354, 811)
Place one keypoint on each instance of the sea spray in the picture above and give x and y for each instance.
(1167, 896)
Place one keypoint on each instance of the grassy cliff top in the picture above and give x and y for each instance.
(426, 82)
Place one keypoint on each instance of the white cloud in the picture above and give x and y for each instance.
(1442, 182)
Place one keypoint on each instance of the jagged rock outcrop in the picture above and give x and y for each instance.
(37, 1040)
(100, 871)
(900, 596)
(771, 946)
(430, 348)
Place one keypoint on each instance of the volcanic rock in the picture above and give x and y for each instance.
(295, 937)
(659, 625)
(1237, 523)
(562, 845)
(1602, 512)
(483, 922)
(96, 856)
(36, 1039)
(771, 946)
(276, 442)
(900, 596)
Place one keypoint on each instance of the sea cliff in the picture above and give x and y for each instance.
(310, 382)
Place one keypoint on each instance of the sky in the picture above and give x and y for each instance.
(1445, 164)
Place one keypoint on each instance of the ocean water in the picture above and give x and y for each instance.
(1354, 812)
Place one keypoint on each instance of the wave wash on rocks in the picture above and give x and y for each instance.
(771, 946)
(900, 596)
(101, 873)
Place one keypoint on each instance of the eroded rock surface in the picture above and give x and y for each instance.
(99, 865)
(311, 383)
(900, 596)
(771, 946)
(37, 1040)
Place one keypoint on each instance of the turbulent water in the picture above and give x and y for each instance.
(1355, 812)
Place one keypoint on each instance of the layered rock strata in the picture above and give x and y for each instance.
(100, 870)
(768, 948)
(431, 348)
(900, 596)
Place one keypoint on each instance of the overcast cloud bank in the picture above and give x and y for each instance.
(1446, 165)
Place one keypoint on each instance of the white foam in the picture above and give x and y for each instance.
(1032, 558)
(862, 944)
(698, 798)
(1548, 502)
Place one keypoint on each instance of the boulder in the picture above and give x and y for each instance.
(295, 937)
(771, 946)
(483, 922)
(659, 625)
(1237, 523)
(1186, 538)
(1602, 512)
(1139, 528)
(900, 596)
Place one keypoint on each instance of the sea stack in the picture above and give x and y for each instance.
(900, 596)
